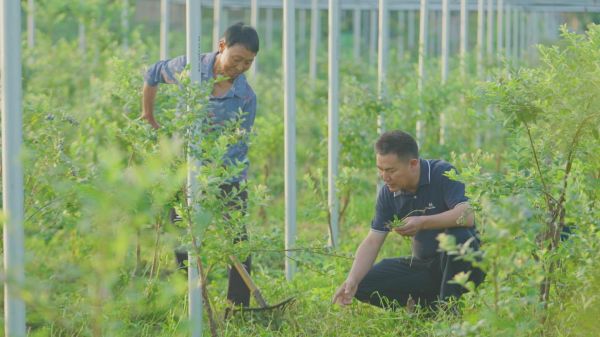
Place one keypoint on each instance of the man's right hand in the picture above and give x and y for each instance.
(345, 293)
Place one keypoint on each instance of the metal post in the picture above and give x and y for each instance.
(515, 35)
(217, 24)
(356, 31)
(382, 55)
(464, 24)
(289, 107)
(254, 13)
(444, 65)
(192, 54)
(373, 36)
(480, 33)
(401, 34)
(315, 33)
(499, 27)
(30, 23)
(12, 171)
(420, 126)
(333, 117)
(523, 32)
(490, 32)
(164, 29)
(507, 32)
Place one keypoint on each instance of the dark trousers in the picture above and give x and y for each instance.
(390, 282)
(237, 291)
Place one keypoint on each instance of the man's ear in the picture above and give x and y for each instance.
(222, 45)
(413, 162)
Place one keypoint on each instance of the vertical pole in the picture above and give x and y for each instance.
(125, 24)
(507, 31)
(30, 23)
(356, 30)
(217, 8)
(464, 17)
(523, 33)
(499, 27)
(401, 34)
(382, 53)
(315, 33)
(254, 12)
(480, 32)
(515, 35)
(289, 107)
(192, 55)
(12, 171)
(164, 29)
(373, 36)
(269, 28)
(421, 75)
(490, 32)
(411, 31)
(333, 117)
(444, 65)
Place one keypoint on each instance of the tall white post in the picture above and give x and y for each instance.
(523, 33)
(12, 171)
(401, 34)
(192, 54)
(30, 23)
(421, 75)
(289, 107)
(515, 35)
(164, 29)
(507, 31)
(125, 24)
(217, 24)
(382, 55)
(315, 33)
(372, 36)
(254, 14)
(333, 117)
(464, 42)
(356, 32)
(499, 27)
(490, 32)
(480, 33)
(444, 65)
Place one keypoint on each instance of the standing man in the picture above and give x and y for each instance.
(428, 203)
(231, 98)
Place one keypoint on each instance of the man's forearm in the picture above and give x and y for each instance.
(460, 216)
(365, 256)
(148, 97)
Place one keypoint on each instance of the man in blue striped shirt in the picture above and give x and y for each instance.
(231, 98)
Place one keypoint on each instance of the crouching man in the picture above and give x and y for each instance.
(417, 201)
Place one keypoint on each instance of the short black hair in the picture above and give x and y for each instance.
(245, 35)
(398, 142)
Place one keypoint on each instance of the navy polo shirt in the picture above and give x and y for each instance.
(437, 193)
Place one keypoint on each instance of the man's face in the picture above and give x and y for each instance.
(398, 174)
(235, 60)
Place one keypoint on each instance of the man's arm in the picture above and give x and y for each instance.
(460, 216)
(148, 96)
(365, 257)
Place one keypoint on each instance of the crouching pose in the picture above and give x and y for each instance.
(424, 202)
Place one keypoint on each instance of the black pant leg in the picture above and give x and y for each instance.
(390, 282)
(450, 265)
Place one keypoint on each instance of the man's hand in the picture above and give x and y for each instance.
(345, 293)
(151, 120)
(412, 225)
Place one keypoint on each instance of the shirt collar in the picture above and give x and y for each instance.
(239, 86)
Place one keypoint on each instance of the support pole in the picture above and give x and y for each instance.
(30, 23)
(464, 43)
(444, 64)
(480, 34)
(500, 28)
(254, 14)
(192, 54)
(382, 55)
(411, 32)
(12, 171)
(217, 11)
(164, 29)
(515, 35)
(490, 32)
(289, 107)
(356, 32)
(372, 36)
(507, 32)
(333, 117)
(315, 33)
(420, 125)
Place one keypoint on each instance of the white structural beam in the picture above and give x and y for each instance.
(515, 35)
(315, 34)
(356, 32)
(217, 24)
(507, 31)
(254, 15)
(30, 23)
(490, 32)
(164, 29)
(372, 36)
(193, 34)
(420, 125)
(12, 171)
(444, 64)
(382, 54)
(464, 35)
(480, 34)
(500, 27)
(333, 118)
(289, 107)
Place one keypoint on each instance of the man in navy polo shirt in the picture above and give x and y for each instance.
(428, 203)
(231, 98)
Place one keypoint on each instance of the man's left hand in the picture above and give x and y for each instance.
(412, 225)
